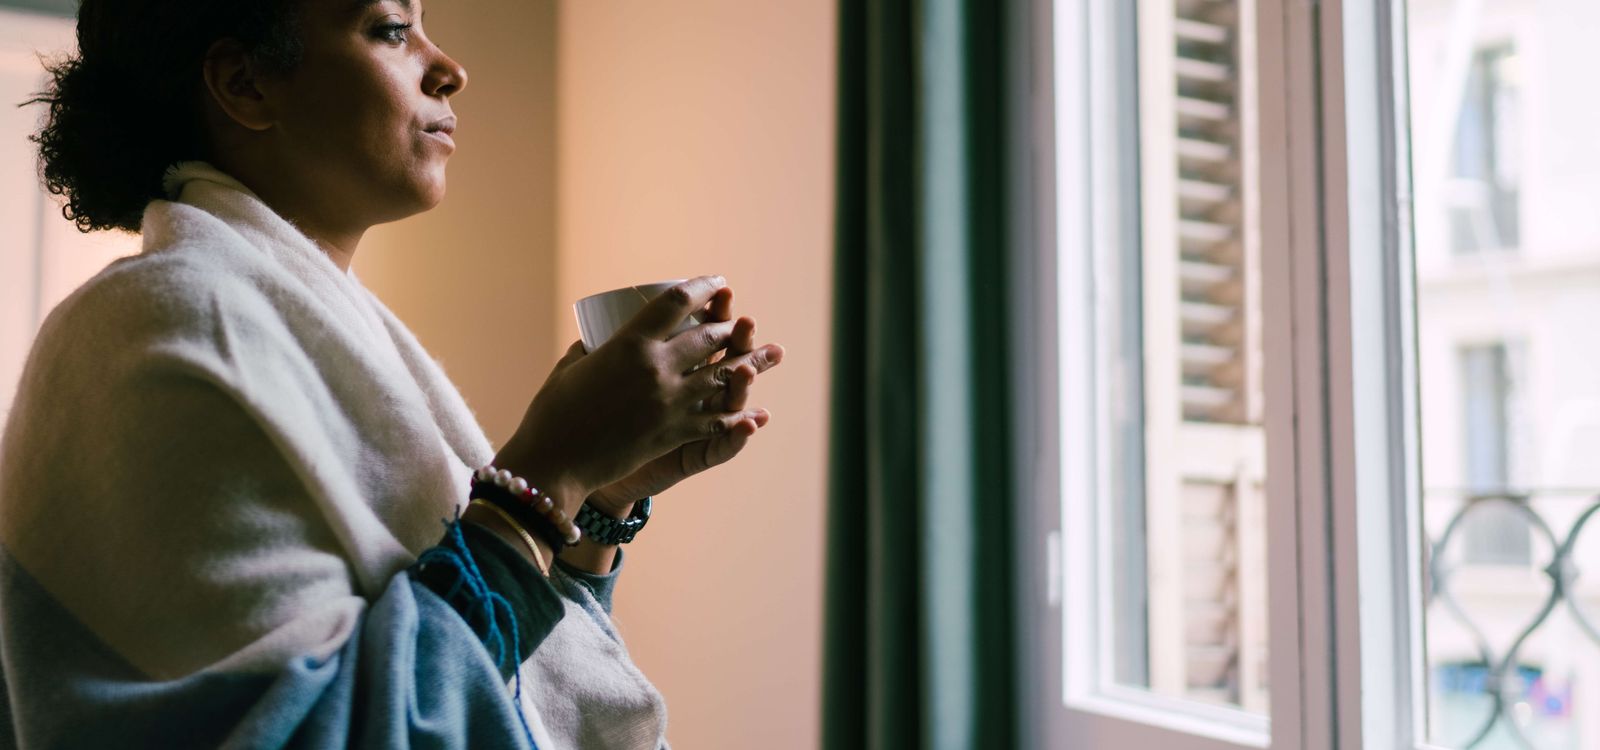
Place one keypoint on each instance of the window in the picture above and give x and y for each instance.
(1509, 436)
(1493, 533)
(1189, 483)
(1162, 364)
(1483, 191)
(1327, 460)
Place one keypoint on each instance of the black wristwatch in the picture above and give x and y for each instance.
(608, 530)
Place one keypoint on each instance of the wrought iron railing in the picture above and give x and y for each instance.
(1501, 661)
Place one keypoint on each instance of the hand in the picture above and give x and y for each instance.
(602, 415)
(738, 366)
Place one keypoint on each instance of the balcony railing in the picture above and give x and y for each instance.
(1555, 520)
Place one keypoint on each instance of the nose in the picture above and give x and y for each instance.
(445, 76)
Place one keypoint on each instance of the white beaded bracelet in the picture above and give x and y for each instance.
(526, 496)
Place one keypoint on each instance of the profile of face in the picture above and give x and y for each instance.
(363, 124)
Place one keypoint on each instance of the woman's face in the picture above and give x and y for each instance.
(367, 111)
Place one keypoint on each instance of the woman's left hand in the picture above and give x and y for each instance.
(737, 369)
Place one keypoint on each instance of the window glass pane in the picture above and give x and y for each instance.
(1177, 328)
(1506, 174)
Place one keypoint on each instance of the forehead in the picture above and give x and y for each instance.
(356, 7)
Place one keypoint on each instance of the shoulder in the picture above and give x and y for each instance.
(155, 295)
(189, 301)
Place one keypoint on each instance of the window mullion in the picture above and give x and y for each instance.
(1302, 650)
(1371, 496)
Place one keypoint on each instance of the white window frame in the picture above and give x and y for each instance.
(1374, 496)
(1343, 516)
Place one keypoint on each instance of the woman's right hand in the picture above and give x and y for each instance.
(601, 415)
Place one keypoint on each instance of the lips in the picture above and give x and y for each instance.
(446, 125)
(442, 130)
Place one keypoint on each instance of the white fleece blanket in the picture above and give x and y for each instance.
(272, 446)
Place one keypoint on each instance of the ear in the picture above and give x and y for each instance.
(232, 80)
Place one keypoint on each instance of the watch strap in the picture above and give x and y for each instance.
(607, 529)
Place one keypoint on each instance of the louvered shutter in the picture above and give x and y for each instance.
(1204, 450)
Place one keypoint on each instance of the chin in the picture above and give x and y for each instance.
(417, 196)
(433, 196)
(408, 200)
(431, 189)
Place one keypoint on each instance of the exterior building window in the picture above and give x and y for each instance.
(1486, 179)
(1494, 533)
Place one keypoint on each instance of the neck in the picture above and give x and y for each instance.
(337, 239)
(339, 245)
(300, 207)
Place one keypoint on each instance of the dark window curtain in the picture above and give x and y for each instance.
(919, 613)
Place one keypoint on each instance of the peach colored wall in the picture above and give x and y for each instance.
(696, 136)
(474, 277)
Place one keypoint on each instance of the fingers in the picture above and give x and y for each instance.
(741, 342)
(720, 450)
(706, 427)
(662, 315)
(743, 339)
(688, 349)
(708, 380)
(574, 353)
(697, 457)
(720, 310)
(721, 306)
(739, 392)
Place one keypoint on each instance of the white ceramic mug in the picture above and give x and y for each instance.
(600, 315)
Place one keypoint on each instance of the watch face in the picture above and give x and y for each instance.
(641, 510)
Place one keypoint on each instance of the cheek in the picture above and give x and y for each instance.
(366, 126)
(359, 109)
(382, 121)
(393, 124)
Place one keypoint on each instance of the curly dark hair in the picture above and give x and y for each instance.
(128, 106)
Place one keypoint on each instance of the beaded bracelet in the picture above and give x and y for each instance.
(534, 509)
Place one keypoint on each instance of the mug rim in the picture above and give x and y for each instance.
(665, 285)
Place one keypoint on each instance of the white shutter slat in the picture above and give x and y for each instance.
(1194, 69)
(1204, 273)
(1200, 32)
(1203, 110)
(1205, 192)
(1196, 231)
(1205, 151)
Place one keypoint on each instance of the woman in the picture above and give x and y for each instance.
(228, 466)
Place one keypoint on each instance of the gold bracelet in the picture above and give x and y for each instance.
(517, 527)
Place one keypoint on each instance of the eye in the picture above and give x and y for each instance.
(392, 33)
